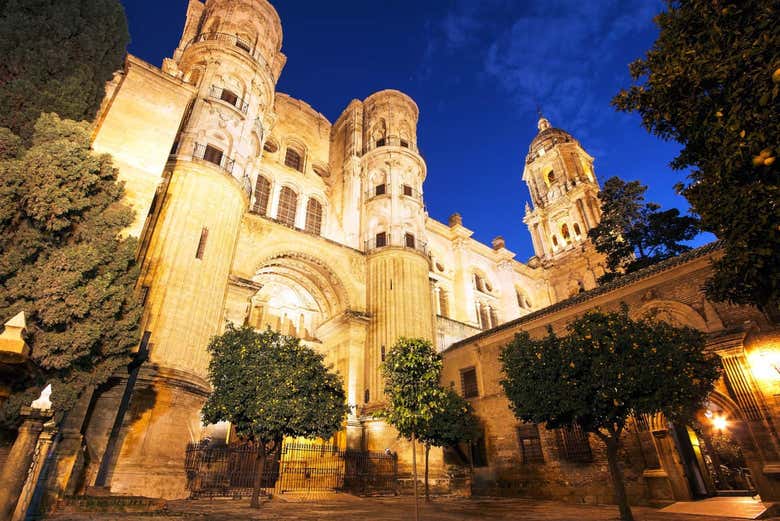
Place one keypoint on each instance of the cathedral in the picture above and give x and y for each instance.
(253, 208)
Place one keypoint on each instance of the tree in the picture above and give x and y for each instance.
(63, 262)
(57, 57)
(605, 370)
(411, 370)
(634, 234)
(453, 423)
(269, 386)
(711, 82)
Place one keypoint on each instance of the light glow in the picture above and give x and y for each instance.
(720, 423)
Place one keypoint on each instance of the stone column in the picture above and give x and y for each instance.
(14, 472)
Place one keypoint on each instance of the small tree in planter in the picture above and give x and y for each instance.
(605, 370)
(411, 370)
(452, 424)
(268, 386)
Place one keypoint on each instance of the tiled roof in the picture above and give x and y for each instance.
(622, 281)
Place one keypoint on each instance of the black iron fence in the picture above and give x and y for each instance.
(229, 471)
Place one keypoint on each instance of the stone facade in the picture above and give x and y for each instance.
(659, 464)
(253, 208)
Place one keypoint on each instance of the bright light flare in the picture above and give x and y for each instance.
(720, 423)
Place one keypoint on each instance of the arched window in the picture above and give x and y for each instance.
(479, 282)
(555, 241)
(293, 159)
(577, 231)
(550, 177)
(262, 195)
(565, 232)
(409, 240)
(288, 202)
(314, 216)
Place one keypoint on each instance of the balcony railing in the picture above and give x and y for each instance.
(214, 156)
(230, 39)
(228, 97)
(396, 241)
(403, 191)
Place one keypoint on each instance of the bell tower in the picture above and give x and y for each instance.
(564, 192)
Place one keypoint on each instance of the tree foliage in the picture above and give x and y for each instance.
(412, 369)
(606, 369)
(269, 386)
(633, 233)
(712, 82)
(57, 57)
(63, 262)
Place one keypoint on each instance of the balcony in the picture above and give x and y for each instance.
(234, 41)
(389, 240)
(229, 97)
(214, 156)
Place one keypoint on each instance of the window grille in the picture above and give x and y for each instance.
(314, 216)
(293, 159)
(468, 382)
(409, 240)
(380, 189)
(262, 195)
(204, 235)
(573, 444)
(381, 239)
(288, 201)
(530, 443)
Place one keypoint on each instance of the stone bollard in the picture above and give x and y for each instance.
(14, 473)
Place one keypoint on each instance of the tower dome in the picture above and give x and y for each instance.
(547, 137)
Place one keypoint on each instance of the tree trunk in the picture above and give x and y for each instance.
(617, 477)
(259, 471)
(414, 476)
(427, 490)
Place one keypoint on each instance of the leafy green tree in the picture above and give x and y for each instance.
(634, 234)
(412, 369)
(268, 386)
(711, 82)
(453, 423)
(606, 369)
(56, 57)
(63, 262)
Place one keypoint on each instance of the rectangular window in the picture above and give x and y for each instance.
(243, 45)
(380, 142)
(408, 192)
(229, 96)
(381, 239)
(409, 240)
(380, 189)
(573, 444)
(530, 444)
(213, 155)
(468, 382)
(204, 235)
(404, 143)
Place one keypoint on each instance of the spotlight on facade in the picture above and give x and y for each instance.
(720, 423)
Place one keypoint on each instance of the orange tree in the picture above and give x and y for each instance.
(606, 369)
(268, 386)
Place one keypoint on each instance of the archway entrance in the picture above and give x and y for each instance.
(712, 455)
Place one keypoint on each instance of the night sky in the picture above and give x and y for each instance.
(477, 69)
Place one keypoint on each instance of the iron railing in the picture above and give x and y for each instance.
(229, 97)
(404, 191)
(230, 39)
(222, 161)
(396, 241)
(229, 471)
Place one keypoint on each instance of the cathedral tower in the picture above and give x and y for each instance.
(564, 192)
(230, 53)
(393, 233)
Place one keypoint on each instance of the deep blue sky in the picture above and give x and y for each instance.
(477, 69)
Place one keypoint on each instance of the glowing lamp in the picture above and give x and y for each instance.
(720, 423)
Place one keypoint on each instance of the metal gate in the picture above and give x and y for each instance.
(229, 471)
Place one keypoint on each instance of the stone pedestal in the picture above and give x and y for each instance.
(15, 470)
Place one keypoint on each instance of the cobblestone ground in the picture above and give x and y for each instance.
(349, 508)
